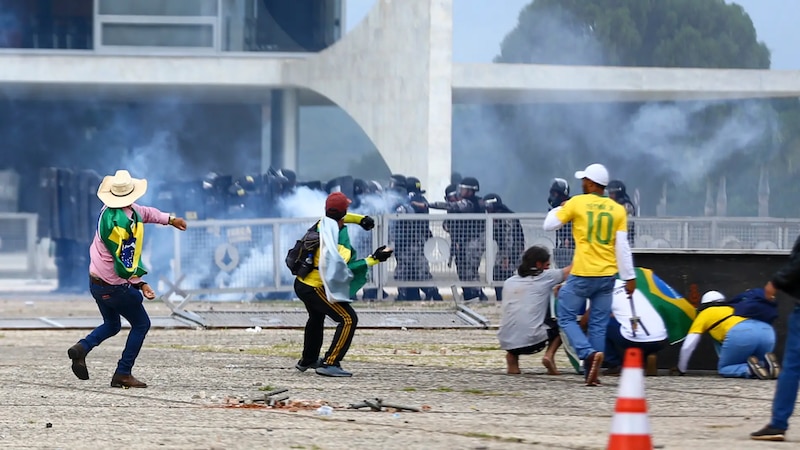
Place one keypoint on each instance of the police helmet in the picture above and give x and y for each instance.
(451, 192)
(616, 188)
(397, 181)
(470, 183)
(559, 192)
(374, 187)
(247, 182)
(209, 181)
(560, 186)
(414, 185)
(360, 187)
(289, 175)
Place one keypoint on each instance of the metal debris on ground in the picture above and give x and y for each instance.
(377, 404)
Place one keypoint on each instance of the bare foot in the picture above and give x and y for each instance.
(512, 364)
(548, 363)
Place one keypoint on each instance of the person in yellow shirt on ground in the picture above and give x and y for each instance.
(744, 346)
(328, 288)
(600, 233)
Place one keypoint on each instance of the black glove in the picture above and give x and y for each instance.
(367, 223)
(382, 254)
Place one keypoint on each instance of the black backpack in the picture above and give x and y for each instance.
(300, 258)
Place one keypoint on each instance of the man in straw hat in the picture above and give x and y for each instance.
(115, 272)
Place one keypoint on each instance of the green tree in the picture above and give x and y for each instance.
(646, 33)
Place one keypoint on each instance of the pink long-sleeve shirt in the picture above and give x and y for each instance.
(101, 263)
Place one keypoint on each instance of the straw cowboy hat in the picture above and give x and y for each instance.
(120, 190)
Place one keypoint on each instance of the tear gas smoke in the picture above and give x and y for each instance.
(516, 151)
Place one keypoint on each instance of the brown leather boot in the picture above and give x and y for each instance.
(126, 381)
(78, 356)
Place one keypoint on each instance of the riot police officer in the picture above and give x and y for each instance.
(510, 241)
(410, 237)
(616, 191)
(564, 246)
(467, 237)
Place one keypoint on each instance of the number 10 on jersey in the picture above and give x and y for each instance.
(600, 227)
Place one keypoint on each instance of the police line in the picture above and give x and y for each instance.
(237, 259)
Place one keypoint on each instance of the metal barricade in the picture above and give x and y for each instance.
(716, 233)
(240, 259)
(451, 249)
(235, 259)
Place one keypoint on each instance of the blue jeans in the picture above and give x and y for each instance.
(749, 338)
(572, 300)
(113, 302)
(789, 379)
(616, 344)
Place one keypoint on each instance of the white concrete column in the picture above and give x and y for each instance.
(284, 129)
(393, 74)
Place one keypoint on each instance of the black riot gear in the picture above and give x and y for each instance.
(509, 237)
(616, 189)
(470, 183)
(493, 203)
(559, 192)
(617, 192)
(398, 183)
(414, 185)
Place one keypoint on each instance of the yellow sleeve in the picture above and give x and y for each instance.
(567, 212)
(345, 253)
(371, 261)
(353, 218)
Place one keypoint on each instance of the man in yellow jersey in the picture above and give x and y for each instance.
(744, 345)
(600, 232)
(328, 288)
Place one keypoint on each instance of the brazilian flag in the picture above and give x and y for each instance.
(675, 310)
(123, 238)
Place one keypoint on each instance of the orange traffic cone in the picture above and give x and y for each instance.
(630, 428)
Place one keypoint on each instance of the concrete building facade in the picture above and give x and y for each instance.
(393, 74)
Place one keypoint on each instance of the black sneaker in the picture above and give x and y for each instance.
(303, 367)
(768, 434)
(757, 369)
(332, 371)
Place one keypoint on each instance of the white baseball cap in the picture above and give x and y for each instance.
(595, 172)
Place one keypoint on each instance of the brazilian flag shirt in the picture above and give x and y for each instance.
(116, 252)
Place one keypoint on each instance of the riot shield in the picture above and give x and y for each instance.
(65, 209)
(47, 209)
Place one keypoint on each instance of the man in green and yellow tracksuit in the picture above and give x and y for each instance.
(328, 289)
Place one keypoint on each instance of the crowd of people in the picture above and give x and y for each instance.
(600, 287)
(541, 309)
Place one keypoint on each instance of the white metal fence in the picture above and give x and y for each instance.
(228, 259)
(237, 259)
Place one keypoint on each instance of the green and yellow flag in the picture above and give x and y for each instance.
(123, 237)
(675, 310)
